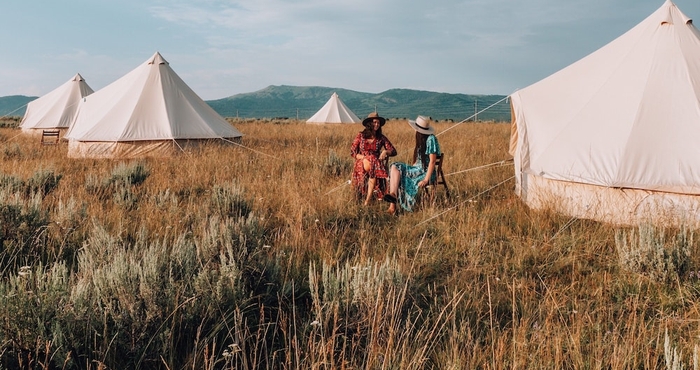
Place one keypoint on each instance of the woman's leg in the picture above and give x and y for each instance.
(394, 178)
(392, 208)
(370, 182)
(370, 189)
(366, 165)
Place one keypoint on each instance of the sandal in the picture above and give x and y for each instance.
(389, 198)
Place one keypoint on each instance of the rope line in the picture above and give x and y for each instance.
(181, 148)
(564, 227)
(472, 116)
(251, 149)
(495, 164)
(468, 200)
(7, 115)
(18, 135)
(338, 187)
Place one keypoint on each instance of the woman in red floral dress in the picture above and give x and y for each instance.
(369, 149)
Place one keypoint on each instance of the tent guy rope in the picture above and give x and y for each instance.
(181, 148)
(468, 200)
(251, 149)
(7, 115)
(473, 115)
(338, 187)
(504, 162)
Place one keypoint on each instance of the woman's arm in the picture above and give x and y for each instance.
(355, 148)
(389, 150)
(429, 172)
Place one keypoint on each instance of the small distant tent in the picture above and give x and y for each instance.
(334, 111)
(149, 112)
(55, 110)
(615, 137)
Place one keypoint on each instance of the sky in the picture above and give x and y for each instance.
(226, 47)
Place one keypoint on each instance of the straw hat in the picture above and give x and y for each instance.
(422, 125)
(371, 117)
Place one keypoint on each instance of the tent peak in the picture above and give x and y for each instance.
(671, 12)
(78, 77)
(157, 59)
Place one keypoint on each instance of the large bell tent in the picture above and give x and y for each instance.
(334, 111)
(150, 111)
(615, 136)
(55, 110)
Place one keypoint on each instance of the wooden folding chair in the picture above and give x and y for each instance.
(439, 179)
(50, 137)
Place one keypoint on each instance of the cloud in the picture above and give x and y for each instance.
(223, 47)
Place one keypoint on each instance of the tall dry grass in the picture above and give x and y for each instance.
(260, 257)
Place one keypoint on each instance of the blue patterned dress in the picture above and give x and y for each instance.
(412, 175)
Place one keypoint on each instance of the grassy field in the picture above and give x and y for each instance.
(259, 257)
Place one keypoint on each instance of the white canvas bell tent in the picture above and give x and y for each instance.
(334, 111)
(615, 137)
(149, 112)
(56, 109)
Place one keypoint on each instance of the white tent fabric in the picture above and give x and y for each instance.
(616, 136)
(56, 109)
(149, 111)
(334, 111)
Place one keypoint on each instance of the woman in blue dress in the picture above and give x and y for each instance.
(405, 179)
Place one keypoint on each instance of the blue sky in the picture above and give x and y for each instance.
(225, 47)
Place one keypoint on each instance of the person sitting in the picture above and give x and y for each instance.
(370, 148)
(405, 180)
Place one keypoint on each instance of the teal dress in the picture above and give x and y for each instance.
(412, 175)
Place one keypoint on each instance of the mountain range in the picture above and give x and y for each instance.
(301, 102)
(14, 105)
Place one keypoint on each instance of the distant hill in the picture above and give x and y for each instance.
(303, 102)
(14, 105)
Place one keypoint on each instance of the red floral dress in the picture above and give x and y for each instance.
(370, 149)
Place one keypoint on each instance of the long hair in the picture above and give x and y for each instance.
(421, 146)
(368, 133)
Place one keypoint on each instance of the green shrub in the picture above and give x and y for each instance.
(22, 222)
(123, 195)
(43, 182)
(11, 183)
(336, 166)
(646, 251)
(117, 185)
(35, 298)
(131, 174)
(164, 200)
(10, 122)
(228, 201)
(12, 151)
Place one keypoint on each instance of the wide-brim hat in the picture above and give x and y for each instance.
(371, 117)
(422, 125)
